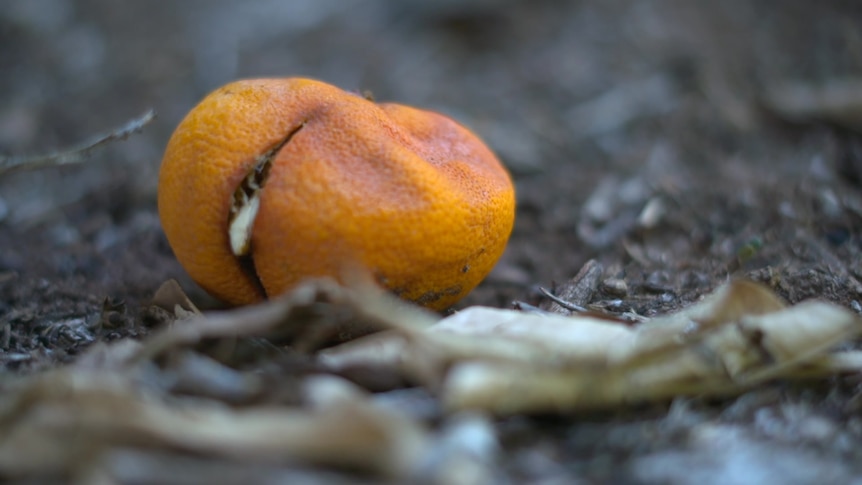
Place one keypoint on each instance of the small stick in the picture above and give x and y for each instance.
(527, 308)
(563, 303)
(76, 154)
(578, 291)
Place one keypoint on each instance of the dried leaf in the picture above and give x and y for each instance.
(797, 335)
(319, 311)
(505, 361)
(171, 297)
(548, 340)
(57, 419)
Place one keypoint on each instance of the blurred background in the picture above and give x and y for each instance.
(679, 143)
(573, 95)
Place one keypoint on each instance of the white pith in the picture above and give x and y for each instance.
(240, 227)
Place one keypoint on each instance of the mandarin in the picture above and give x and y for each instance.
(270, 181)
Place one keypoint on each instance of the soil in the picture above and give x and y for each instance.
(639, 134)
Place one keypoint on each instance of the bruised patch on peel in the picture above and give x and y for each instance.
(432, 296)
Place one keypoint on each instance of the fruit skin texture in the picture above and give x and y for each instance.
(408, 194)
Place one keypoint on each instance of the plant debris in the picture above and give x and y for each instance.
(506, 362)
(680, 145)
(176, 392)
(78, 153)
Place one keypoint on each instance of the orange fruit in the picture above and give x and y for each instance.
(270, 181)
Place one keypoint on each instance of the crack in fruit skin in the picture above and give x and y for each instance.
(245, 201)
(408, 194)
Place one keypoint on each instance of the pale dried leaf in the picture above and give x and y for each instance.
(380, 349)
(505, 361)
(171, 297)
(57, 418)
(531, 338)
(799, 334)
(320, 311)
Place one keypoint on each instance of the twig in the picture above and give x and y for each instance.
(563, 303)
(76, 154)
(577, 292)
(527, 308)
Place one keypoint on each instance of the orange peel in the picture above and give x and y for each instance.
(267, 182)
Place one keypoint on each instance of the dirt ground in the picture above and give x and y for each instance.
(650, 136)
